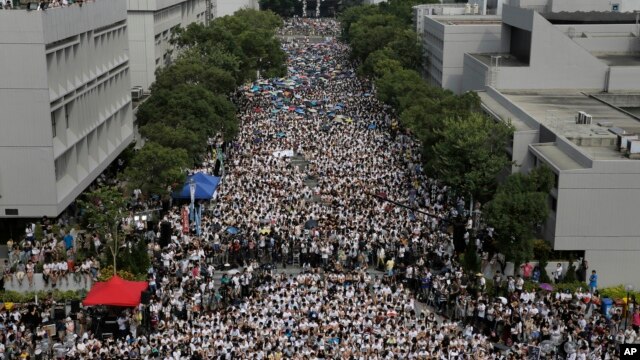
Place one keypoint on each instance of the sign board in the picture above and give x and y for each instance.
(533, 352)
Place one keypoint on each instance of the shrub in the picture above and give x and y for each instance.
(30, 296)
(617, 292)
(106, 273)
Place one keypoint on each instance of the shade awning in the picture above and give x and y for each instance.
(206, 186)
(116, 292)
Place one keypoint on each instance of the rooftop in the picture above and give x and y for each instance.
(557, 111)
(556, 156)
(617, 59)
(467, 19)
(506, 59)
(591, 17)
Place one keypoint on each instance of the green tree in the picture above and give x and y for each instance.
(401, 88)
(190, 69)
(372, 33)
(407, 48)
(471, 259)
(470, 153)
(248, 36)
(155, 167)
(379, 63)
(102, 209)
(519, 206)
(351, 15)
(177, 137)
(188, 108)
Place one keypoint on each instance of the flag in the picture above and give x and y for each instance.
(198, 219)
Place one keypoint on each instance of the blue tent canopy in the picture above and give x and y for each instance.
(206, 185)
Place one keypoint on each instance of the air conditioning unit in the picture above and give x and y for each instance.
(583, 118)
(136, 93)
(623, 141)
(634, 149)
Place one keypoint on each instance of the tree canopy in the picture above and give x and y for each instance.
(155, 167)
(519, 206)
(189, 100)
(470, 152)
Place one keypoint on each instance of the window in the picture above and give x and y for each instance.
(53, 124)
(615, 7)
(67, 109)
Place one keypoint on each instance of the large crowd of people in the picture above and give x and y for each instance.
(306, 183)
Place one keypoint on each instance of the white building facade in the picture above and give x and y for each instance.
(537, 67)
(65, 100)
(152, 22)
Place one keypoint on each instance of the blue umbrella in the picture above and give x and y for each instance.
(232, 230)
(300, 111)
(367, 94)
(280, 134)
(371, 127)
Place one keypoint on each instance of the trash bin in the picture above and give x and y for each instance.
(606, 307)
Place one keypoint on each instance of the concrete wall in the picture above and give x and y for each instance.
(474, 74)
(593, 5)
(614, 267)
(537, 5)
(556, 61)
(228, 7)
(150, 27)
(462, 39)
(624, 78)
(64, 95)
(596, 208)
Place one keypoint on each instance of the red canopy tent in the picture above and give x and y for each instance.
(116, 292)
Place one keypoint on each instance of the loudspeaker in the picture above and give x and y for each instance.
(458, 236)
(59, 313)
(165, 233)
(216, 168)
(145, 297)
(75, 306)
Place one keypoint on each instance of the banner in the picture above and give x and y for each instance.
(185, 220)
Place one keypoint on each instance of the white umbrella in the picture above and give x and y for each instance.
(232, 272)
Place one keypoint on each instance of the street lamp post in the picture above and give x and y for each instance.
(114, 248)
(192, 191)
(629, 289)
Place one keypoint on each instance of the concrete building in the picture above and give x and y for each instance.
(151, 24)
(568, 83)
(65, 100)
(449, 31)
